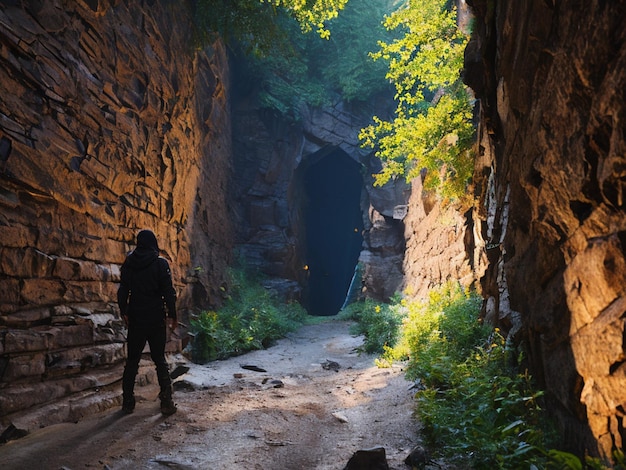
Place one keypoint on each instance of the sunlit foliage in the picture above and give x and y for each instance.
(432, 128)
(477, 409)
(311, 13)
(379, 324)
(253, 22)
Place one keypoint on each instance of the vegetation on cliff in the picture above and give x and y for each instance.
(469, 408)
(255, 23)
(479, 408)
(432, 128)
(478, 411)
(414, 46)
(286, 69)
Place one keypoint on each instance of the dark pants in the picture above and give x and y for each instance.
(136, 341)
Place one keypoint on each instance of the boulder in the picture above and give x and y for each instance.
(368, 459)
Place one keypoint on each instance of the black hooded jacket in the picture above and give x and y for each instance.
(146, 284)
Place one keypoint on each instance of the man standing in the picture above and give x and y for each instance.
(145, 296)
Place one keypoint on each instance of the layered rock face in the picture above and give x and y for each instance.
(110, 122)
(551, 78)
(438, 245)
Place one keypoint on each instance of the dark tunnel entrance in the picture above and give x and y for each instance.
(334, 226)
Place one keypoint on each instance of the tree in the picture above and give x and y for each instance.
(305, 69)
(311, 13)
(432, 128)
(346, 62)
(252, 22)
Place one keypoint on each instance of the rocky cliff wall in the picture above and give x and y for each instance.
(409, 241)
(551, 79)
(110, 122)
(269, 157)
(438, 244)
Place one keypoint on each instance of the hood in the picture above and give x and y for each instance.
(147, 239)
(147, 250)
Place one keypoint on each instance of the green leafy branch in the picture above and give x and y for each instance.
(254, 24)
(432, 129)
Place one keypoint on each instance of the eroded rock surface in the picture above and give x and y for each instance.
(551, 78)
(110, 122)
(409, 241)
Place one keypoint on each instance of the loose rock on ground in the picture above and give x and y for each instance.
(309, 402)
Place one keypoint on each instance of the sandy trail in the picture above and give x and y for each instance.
(301, 413)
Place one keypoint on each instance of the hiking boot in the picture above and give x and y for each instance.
(168, 407)
(128, 405)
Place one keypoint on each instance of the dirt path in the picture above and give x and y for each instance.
(299, 414)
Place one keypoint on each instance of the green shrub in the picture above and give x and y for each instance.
(474, 406)
(478, 410)
(565, 461)
(250, 319)
(443, 330)
(379, 323)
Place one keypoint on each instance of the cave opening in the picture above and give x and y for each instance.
(333, 221)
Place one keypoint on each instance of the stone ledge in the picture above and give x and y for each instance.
(84, 403)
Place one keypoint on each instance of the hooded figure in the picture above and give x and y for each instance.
(145, 297)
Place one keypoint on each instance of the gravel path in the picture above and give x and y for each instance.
(310, 404)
